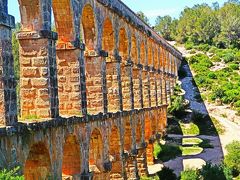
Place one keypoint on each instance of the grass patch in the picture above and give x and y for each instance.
(189, 141)
(168, 152)
(190, 129)
(186, 151)
(219, 127)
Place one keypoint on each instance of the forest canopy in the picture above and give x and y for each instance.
(213, 25)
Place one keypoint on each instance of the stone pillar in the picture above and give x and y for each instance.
(137, 88)
(159, 89)
(104, 55)
(146, 89)
(164, 91)
(8, 97)
(68, 66)
(126, 81)
(94, 79)
(83, 80)
(113, 94)
(153, 89)
(38, 85)
(119, 79)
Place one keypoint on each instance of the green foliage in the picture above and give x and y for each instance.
(10, 174)
(157, 150)
(143, 17)
(210, 172)
(232, 159)
(169, 152)
(190, 174)
(177, 107)
(15, 49)
(166, 26)
(205, 25)
(166, 174)
(234, 66)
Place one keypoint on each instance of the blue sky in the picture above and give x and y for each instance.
(152, 8)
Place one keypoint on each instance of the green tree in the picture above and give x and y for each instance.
(229, 16)
(15, 49)
(166, 26)
(143, 17)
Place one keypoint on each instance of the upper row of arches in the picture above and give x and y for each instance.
(96, 26)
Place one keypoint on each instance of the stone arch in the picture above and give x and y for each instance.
(89, 27)
(134, 52)
(123, 44)
(71, 164)
(38, 163)
(96, 153)
(108, 40)
(142, 53)
(150, 53)
(115, 153)
(64, 21)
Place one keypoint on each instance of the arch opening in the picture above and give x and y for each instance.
(88, 27)
(38, 163)
(142, 53)
(134, 50)
(71, 164)
(150, 54)
(96, 154)
(115, 153)
(108, 37)
(64, 21)
(123, 44)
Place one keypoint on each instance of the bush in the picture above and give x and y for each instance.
(234, 66)
(189, 45)
(10, 175)
(157, 150)
(212, 172)
(190, 174)
(232, 159)
(212, 75)
(177, 107)
(203, 47)
(166, 174)
(229, 57)
(216, 58)
(169, 152)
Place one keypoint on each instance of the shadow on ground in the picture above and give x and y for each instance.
(203, 126)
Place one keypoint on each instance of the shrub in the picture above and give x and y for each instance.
(177, 106)
(166, 174)
(234, 66)
(237, 104)
(216, 58)
(190, 174)
(169, 152)
(232, 159)
(203, 47)
(229, 57)
(212, 75)
(157, 150)
(189, 45)
(211, 172)
(10, 174)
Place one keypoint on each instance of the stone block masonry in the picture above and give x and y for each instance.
(93, 94)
